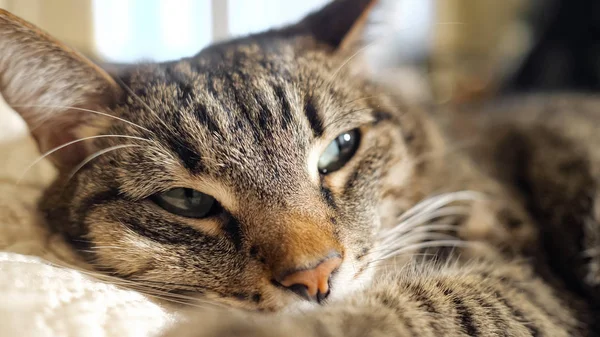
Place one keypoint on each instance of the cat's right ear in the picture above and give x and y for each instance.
(46, 82)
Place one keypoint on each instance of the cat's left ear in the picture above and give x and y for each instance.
(342, 24)
(50, 85)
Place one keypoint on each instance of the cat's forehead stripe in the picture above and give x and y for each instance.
(312, 114)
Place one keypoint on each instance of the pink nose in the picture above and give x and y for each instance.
(312, 284)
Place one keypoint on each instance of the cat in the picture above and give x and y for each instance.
(272, 175)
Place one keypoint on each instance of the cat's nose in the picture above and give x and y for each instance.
(312, 283)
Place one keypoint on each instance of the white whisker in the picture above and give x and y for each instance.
(48, 153)
(71, 108)
(428, 244)
(441, 200)
(96, 155)
(421, 219)
(420, 229)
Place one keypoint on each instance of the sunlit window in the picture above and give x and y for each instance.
(159, 30)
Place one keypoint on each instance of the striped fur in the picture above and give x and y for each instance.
(513, 254)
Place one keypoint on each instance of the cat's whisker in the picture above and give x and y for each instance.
(133, 285)
(107, 248)
(440, 200)
(411, 239)
(50, 152)
(421, 229)
(378, 263)
(72, 108)
(96, 155)
(419, 219)
(350, 58)
(415, 238)
(111, 279)
(428, 244)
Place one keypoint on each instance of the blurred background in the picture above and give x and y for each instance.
(440, 50)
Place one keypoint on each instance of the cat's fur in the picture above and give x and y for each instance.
(245, 121)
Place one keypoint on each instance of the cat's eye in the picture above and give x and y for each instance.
(186, 202)
(339, 152)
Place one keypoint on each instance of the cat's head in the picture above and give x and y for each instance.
(255, 173)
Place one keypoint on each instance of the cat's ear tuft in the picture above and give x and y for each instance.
(48, 84)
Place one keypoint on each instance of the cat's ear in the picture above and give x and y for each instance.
(341, 24)
(48, 84)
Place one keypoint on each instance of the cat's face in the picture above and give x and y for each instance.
(256, 173)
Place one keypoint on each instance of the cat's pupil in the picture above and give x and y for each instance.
(339, 152)
(186, 202)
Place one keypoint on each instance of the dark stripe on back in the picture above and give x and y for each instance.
(522, 288)
(465, 316)
(398, 308)
(423, 298)
(495, 315)
(517, 314)
(314, 120)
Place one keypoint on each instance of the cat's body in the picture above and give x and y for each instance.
(218, 179)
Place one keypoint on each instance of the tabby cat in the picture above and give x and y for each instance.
(274, 176)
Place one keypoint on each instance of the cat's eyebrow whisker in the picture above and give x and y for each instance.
(72, 108)
(350, 58)
(96, 155)
(50, 152)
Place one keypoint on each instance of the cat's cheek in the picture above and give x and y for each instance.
(399, 192)
(123, 251)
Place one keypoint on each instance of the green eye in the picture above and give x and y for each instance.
(339, 152)
(186, 202)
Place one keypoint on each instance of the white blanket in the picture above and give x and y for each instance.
(39, 296)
